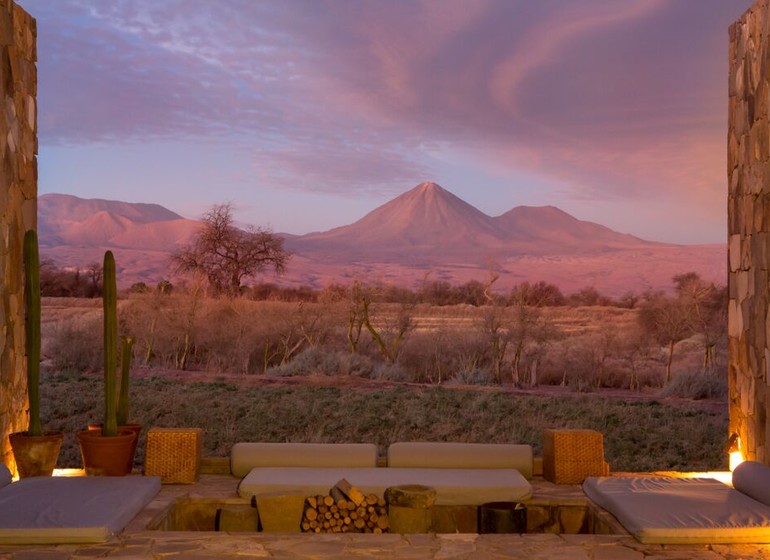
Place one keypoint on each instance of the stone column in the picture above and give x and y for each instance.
(18, 207)
(748, 167)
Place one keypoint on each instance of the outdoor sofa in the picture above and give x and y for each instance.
(462, 473)
(670, 510)
(79, 509)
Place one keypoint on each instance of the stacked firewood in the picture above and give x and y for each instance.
(345, 510)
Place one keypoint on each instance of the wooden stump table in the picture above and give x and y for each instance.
(409, 508)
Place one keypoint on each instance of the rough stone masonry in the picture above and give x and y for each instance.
(18, 207)
(748, 168)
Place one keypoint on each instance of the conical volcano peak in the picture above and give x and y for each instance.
(428, 186)
(429, 190)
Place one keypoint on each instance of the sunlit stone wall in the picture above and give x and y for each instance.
(18, 206)
(748, 166)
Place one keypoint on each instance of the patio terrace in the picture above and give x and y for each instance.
(139, 542)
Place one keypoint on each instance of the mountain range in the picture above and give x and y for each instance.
(427, 233)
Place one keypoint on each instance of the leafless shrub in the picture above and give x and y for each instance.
(583, 347)
(75, 344)
(437, 355)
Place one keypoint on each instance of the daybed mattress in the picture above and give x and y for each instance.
(681, 510)
(71, 509)
(453, 486)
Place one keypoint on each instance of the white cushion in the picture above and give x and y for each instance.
(245, 456)
(71, 509)
(681, 510)
(450, 455)
(453, 486)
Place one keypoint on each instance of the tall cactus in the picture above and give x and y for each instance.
(126, 345)
(32, 329)
(110, 301)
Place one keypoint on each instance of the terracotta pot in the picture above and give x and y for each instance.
(134, 427)
(36, 455)
(107, 456)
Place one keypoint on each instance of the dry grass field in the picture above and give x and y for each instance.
(278, 371)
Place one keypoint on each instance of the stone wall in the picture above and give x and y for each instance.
(18, 206)
(748, 166)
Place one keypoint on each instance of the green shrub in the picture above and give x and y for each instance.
(316, 361)
(698, 384)
(389, 372)
(472, 377)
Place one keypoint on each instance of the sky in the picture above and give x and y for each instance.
(307, 114)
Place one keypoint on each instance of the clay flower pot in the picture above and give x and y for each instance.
(107, 455)
(36, 455)
(134, 427)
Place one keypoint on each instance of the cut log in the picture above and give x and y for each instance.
(353, 493)
(337, 495)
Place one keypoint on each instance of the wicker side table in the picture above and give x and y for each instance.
(569, 456)
(174, 454)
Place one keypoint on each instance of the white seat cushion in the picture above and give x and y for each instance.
(453, 486)
(71, 509)
(681, 510)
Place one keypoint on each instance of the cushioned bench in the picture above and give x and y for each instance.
(461, 473)
(70, 509)
(665, 510)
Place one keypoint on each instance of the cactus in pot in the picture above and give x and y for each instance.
(109, 451)
(35, 451)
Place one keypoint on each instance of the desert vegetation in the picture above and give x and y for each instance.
(356, 364)
(676, 342)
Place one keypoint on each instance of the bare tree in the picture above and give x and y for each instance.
(667, 320)
(496, 329)
(634, 349)
(391, 335)
(226, 255)
(708, 310)
(95, 275)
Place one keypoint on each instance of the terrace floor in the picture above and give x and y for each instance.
(137, 542)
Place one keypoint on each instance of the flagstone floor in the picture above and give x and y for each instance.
(137, 542)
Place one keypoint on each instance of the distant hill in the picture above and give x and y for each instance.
(69, 220)
(425, 233)
(75, 232)
(428, 224)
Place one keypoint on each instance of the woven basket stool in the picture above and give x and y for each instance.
(173, 454)
(569, 456)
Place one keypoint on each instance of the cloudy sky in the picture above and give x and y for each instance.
(306, 114)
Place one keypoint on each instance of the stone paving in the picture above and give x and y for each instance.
(137, 542)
